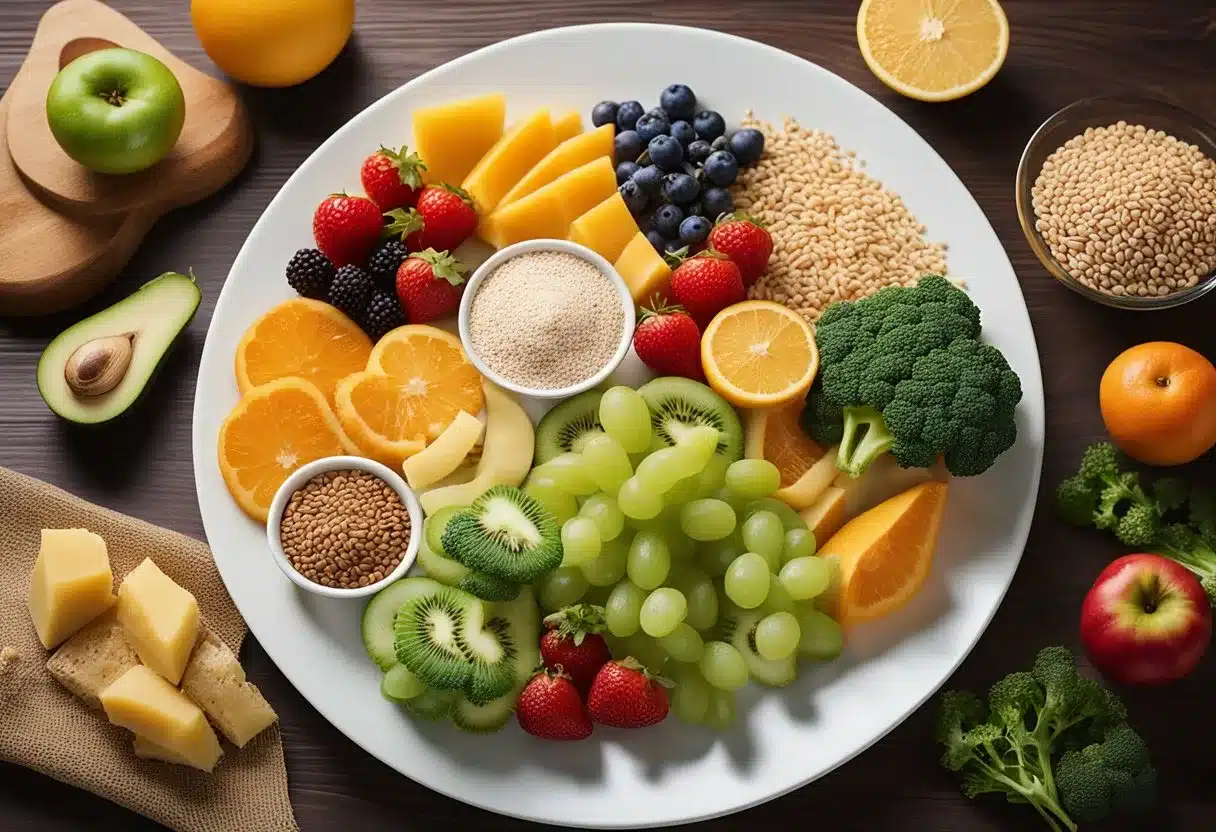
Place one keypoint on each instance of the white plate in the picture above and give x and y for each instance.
(783, 739)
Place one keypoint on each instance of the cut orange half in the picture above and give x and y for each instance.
(759, 354)
(776, 434)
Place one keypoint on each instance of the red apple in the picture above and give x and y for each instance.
(1146, 620)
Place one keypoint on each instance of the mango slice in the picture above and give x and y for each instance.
(570, 154)
(451, 138)
(644, 270)
(606, 229)
(548, 212)
(511, 157)
(567, 126)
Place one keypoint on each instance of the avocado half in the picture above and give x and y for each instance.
(144, 325)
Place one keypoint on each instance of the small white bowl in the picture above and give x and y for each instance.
(566, 247)
(342, 463)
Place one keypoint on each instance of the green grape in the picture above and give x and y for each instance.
(777, 636)
(707, 519)
(763, 534)
(682, 546)
(690, 697)
(649, 560)
(683, 491)
(606, 513)
(626, 418)
(646, 650)
(778, 599)
(700, 594)
(723, 666)
(799, 543)
(702, 441)
(683, 644)
(663, 611)
(828, 600)
(788, 517)
(717, 555)
(561, 588)
(580, 541)
(398, 684)
(820, 636)
(721, 712)
(623, 607)
(806, 577)
(712, 477)
(747, 580)
(607, 462)
(609, 567)
(571, 472)
(545, 490)
(732, 499)
(637, 502)
(752, 479)
(660, 471)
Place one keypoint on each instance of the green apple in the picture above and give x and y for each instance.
(116, 110)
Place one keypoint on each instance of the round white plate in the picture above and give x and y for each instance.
(783, 739)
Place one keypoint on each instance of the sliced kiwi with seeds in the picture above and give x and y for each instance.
(506, 534)
(523, 628)
(568, 426)
(380, 613)
(677, 405)
(429, 632)
(737, 626)
(491, 652)
(485, 586)
(435, 526)
(439, 567)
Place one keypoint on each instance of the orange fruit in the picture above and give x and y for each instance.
(273, 430)
(1159, 403)
(885, 554)
(303, 338)
(759, 354)
(776, 434)
(417, 379)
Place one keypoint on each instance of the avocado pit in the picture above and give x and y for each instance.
(98, 366)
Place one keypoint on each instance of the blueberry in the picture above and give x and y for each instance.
(665, 152)
(709, 124)
(625, 171)
(652, 124)
(680, 188)
(667, 219)
(682, 132)
(698, 152)
(673, 247)
(747, 145)
(649, 179)
(629, 146)
(678, 101)
(721, 168)
(635, 199)
(604, 113)
(716, 202)
(720, 143)
(694, 230)
(657, 240)
(627, 114)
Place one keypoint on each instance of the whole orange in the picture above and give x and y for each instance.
(1159, 403)
(273, 43)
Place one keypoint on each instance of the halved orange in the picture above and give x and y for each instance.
(274, 429)
(759, 354)
(776, 434)
(303, 338)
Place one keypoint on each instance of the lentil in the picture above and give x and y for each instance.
(1127, 210)
(345, 529)
(838, 234)
(546, 320)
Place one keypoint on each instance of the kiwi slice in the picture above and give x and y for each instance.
(429, 632)
(737, 626)
(568, 426)
(380, 612)
(485, 586)
(435, 526)
(432, 705)
(523, 628)
(439, 567)
(506, 534)
(679, 404)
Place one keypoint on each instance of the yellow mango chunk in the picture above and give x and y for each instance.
(583, 188)
(548, 212)
(567, 126)
(570, 154)
(160, 619)
(643, 270)
(215, 681)
(71, 584)
(509, 159)
(445, 454)
(451, 138)
(143, 702)
(606, 229)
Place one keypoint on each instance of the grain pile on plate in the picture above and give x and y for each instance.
(838, 234)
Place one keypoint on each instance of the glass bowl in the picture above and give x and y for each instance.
(1100, 112)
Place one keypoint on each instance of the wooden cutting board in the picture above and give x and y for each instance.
(65, 231)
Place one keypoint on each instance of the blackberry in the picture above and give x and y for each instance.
(310, 273)
(385, 260)
(383, 314)
(350, 291)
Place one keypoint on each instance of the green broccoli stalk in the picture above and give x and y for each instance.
(1049, 738)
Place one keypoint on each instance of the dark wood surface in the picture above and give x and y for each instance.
(1061, 50)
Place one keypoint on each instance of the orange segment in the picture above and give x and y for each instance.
(775, 434)
(274, 429)
(759, 354)
(303, 338)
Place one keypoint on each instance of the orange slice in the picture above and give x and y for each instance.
(417, 379)
(303, 338)
(776, 434)
(274, 429)
(885, 554)
(759, 354)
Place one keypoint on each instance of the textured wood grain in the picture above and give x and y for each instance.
(1062, 50)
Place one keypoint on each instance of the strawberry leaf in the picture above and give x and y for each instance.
(409, 165)
(738, 216)
(577, 622)
(659, 307)
(675, 258)
(443, 265)
(460, 192)
(403, 223)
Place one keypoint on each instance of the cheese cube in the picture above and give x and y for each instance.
(71, 585)
(216, 682)
(160, 619)
(145, 749)
(90, 661)
(143, 702)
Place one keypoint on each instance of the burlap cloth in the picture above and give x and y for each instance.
(45, 728)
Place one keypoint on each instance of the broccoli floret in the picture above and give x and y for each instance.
(1171, 493)
(1114, 775)
(1139, 526)
(823, 420)
(1077, 500)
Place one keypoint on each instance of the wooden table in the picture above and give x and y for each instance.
(1062, 50)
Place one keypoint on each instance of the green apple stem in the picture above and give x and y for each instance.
(115, 97)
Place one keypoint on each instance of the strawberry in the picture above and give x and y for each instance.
(705, 284)
(346, 228)
(744, 240)
(549, 707)
(429, 285)
(443, 218)
(573, 644)
(669, 341)
(392, 178)
(625, 695)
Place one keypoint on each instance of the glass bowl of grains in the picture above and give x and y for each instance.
(344, 527)
(1117, 197)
